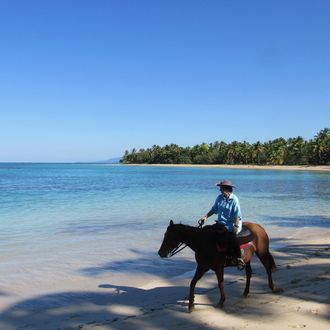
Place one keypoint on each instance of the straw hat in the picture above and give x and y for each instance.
(225, 183)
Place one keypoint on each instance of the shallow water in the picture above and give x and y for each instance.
(69, 221)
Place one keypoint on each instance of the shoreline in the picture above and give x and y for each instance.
(312, 168)
(319, 168)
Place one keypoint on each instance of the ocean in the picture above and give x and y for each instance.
(72, 222)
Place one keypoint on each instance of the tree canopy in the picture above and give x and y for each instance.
(293, 151)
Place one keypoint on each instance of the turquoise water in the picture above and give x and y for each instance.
(88, 218)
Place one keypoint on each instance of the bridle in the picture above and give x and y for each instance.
(182, 246)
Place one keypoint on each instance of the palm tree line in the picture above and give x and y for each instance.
(293, 151)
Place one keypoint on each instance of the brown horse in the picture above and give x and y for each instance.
(210, 255)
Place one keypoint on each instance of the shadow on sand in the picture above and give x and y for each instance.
(299, 221)
(115, 307)
(146, 263)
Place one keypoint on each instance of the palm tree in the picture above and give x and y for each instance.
(296, 151)
(276, 151)
(322, 147)
(258, 152)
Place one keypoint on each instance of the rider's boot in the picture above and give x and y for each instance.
(237, 252)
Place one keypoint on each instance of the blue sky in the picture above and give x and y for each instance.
(86, 80)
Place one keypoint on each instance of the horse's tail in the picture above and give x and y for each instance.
(272, 262)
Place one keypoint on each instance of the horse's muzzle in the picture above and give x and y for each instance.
(162, 254)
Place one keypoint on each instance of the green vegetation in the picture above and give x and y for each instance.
(293, 151)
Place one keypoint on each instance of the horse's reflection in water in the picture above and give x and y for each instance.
(205, 243)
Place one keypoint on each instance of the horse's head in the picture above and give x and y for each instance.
(170, 242)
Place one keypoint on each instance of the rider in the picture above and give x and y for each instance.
(229, 214)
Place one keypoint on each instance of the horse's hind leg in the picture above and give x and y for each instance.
(269, 264)
(248, 272)
(200, 271)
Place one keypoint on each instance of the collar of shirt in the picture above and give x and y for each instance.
(229, 197)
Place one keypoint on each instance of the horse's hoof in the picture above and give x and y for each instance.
(245, 294)
(191, 308)
(220, 305)
(277, 290)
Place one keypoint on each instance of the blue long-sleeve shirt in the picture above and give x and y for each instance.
(228, 209)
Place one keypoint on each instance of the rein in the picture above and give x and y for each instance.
(177, 249)
(182, 246)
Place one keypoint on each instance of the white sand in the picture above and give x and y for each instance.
(303, 272)
(319, 168)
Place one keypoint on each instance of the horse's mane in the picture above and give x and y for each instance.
(182, 225)
(186, 227)
(209, 229)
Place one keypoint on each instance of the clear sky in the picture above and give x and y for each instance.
(86, 80)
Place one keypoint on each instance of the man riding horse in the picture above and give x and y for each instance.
(228, 209)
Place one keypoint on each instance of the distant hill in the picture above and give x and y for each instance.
(115, 160)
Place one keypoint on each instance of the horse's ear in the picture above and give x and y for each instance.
(171, 223)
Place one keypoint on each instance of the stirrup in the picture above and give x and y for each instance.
(240, 264)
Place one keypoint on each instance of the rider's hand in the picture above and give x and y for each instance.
(202, 220)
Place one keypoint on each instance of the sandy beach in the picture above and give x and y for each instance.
(303, 273)
(324, 168)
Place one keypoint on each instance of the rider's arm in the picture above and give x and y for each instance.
(236, 223)
(237, 214)
(211, 212)
(214, 210)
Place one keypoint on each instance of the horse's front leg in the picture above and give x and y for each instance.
(200, 271)
(219, 272)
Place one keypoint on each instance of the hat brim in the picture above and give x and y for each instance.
(224, 185)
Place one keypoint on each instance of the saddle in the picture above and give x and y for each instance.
(244, 238)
